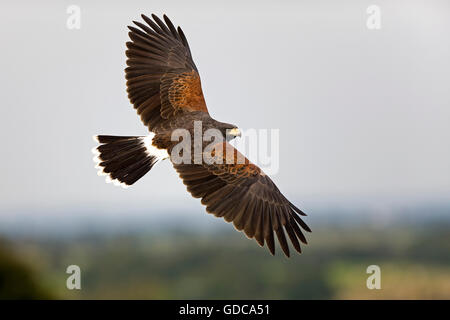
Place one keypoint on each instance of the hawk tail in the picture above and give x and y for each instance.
(126, 159)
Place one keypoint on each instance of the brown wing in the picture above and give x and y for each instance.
(162, 79)
(240, 192)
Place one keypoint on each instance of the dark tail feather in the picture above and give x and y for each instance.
(124, 160)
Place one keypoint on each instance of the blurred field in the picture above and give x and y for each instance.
(170, 264)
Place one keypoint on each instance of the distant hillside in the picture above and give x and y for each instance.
(224, 264)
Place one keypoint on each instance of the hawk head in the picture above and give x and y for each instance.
(229, 131)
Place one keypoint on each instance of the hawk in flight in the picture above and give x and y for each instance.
(163, 84)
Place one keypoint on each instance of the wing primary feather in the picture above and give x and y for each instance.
(268, 232)
(249, 220)
(184, 40)
(171, 27)
(140, 32)
(234, 215)
(153, 25)
(161, 24)
(146, 41)
(245, 216)
(301, 223)
(224, 200)
(273, 216)
(282, 239)
(277, 226)
(144, 48)
(240, 212)
(259, 233)
(228, 209)
(300, 212)
(145, 28)
(139, 37)
(152, 35)
(213, 197)
(293, 237)
(298, 232)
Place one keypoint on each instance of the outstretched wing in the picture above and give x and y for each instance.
(240, 192)
(162, 79)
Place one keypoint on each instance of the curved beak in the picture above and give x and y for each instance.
(234, 132)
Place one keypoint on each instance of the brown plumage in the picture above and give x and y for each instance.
(164, 86)
(162, 79)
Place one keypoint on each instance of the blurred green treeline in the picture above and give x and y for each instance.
(172, 264)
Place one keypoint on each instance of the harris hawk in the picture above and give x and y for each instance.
(163, 84)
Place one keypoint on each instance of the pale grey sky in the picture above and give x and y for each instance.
(363, 114)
